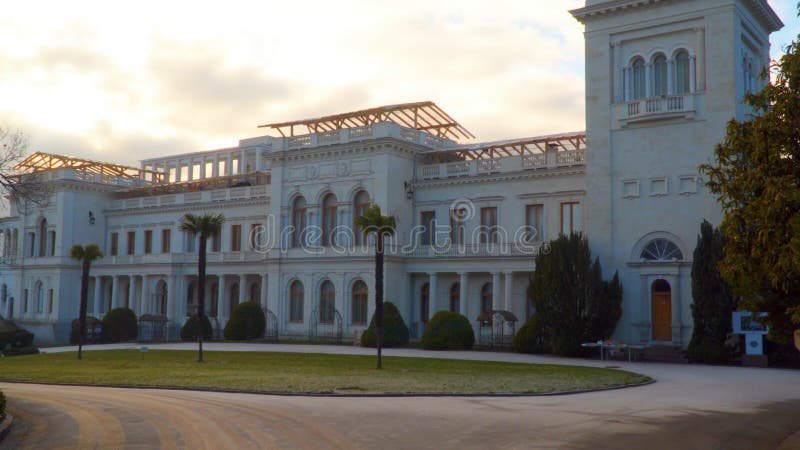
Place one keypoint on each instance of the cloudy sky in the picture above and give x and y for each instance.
(123, 81)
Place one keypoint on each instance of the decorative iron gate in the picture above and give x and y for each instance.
(325, 325)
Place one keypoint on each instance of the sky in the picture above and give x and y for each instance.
(125, 81)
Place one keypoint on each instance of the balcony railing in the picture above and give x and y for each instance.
(656, 107)
(355, 134)
(500, 165)
(192, 197)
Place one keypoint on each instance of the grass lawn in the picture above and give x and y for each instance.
(306, 373)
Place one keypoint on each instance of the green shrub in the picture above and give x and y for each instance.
(18, 351)
(189, 329)
(709, 351)
(16, 338)
(395, 331)
(119, 325)
(247, 322)
(94, 330)
(530, 338)
(448, 330)
(2, 405)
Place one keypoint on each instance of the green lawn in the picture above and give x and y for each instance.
(306, 373)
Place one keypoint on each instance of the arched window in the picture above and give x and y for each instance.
(359, 302)
(638, 79)
(660, 75)
(234, 298)
(15, 242)
(424, 302)
(43, 237)
(360, 206)
(299, 221)
(455, 297)
(327, 302)
(212, 312)
(296, 301)
(682, 72)
(661, 250)
(329, 207)
(38, 290)
(486, 298)
(255, 292)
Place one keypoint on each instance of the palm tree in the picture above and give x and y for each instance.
(373, 222)
(86, 255)
(204, 227)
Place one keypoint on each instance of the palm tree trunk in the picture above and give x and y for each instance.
(201, 295)
(379, 297)
(82, 312)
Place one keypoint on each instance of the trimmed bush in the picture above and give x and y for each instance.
(247, 322)
(2, 405)
(448, 330)
(16, 338)
(530, 338)
(119, 325)
(189, 329)
(18, 351)
(395, 331)
(94, 331)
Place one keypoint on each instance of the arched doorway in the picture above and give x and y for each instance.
(661, 307)
(161, 295)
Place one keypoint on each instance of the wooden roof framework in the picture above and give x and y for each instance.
(423, 116)
(40, 161)
(515, 147)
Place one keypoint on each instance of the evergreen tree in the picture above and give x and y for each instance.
(573, 303)
(755, 177)
(713, 302)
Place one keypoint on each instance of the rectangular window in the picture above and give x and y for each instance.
(131, 242)
(489, 224)
(255, 236)
(50, 301)
(428, 222)
(166, 238)
(534, 222)
(457, 226)
(216, 242)
(114, 244)
(25, 301)
(52, 243)
(236, 238)
(570, 218)
(191, 242)
(31, 244)
(148, 241)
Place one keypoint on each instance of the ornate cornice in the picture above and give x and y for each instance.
(202, 206)
(510, 176)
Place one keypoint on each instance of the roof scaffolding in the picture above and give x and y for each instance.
(422, 116)
(40, 161)
(512, 147)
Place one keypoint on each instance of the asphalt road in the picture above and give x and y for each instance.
(689, 407)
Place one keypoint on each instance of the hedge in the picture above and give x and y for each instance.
(92, 323)
(119, 325)
(16, 338)
(2, 405)
(395, 331)
(448, 330)
(189, 329)
(530, 338)
(18, 351)
(247, 322)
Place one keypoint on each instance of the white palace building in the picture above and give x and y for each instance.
(662, 79)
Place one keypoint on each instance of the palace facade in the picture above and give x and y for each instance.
(662, 79)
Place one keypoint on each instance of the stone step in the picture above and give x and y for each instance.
(663, 353)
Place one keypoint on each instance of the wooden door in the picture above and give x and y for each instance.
(662, 311)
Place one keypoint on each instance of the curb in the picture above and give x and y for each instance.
(5, 426)
(342, 395)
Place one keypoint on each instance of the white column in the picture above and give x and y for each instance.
(215, 167)
(114, 293)
(202, 168)
(648, 84)
(132, 292)
(243, 289)
(222, 301)
(98, 294)
(495, 290)
(258, 160)
(692, 74)
(700, 51)
(627, 81)
(144, 302)
(433, 305)
(670, 77)
(243, 162)
(507, 290)
(228, 165)
(463, 301)
(171, 302)
(264, 286)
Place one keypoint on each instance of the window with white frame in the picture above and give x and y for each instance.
(660, 75)
(570, 218)
(682, 72)
(638, 79)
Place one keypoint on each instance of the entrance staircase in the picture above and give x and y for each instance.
(664, 354)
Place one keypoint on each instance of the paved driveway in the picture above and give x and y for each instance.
(689, 407)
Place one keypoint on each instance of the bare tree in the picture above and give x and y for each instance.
(19, 186)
